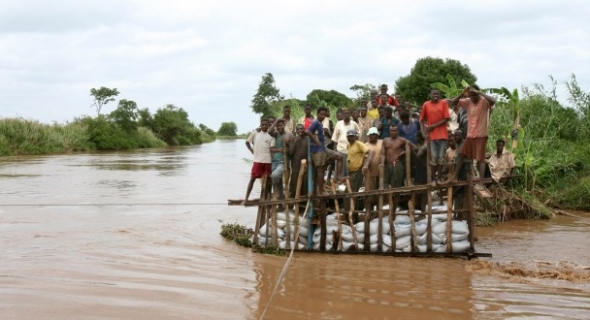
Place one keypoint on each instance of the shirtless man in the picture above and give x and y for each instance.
(393, 148)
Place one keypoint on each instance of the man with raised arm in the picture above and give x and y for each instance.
(478, 106)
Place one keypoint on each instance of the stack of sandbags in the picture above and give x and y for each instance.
(263, 237)
(402, 229)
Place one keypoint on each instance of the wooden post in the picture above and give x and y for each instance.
(302, 170)
(408, 165)
(392, 209)
(323, 229)
(380, 213)
(286, 178)
(470, 216)
(411, 213)
(349, 189)
(367, 240)
(449, 219)
(260, 214)
(273, 212)
(429, 196)
(339, 245)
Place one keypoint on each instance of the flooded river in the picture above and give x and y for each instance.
(135, 235)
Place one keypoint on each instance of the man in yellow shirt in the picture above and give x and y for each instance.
(359, 156)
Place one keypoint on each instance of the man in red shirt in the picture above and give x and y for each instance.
(434, 118)
(478, 106)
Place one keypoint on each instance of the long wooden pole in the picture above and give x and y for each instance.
(380, 213)
(302, 170)
(470, 217)
(411, 213)
(449, 219)
(349, 189)
(339, 244)
(429, 196)
(286, 178)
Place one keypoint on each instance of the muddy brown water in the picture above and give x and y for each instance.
(129, 241)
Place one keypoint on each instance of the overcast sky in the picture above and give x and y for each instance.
(208, 56)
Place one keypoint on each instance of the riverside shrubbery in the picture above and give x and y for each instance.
(124, 128)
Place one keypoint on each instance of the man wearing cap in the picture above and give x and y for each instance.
(372, 177)
(359, 157)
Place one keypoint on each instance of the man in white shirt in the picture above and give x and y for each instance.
(262, 156)
(502, 162)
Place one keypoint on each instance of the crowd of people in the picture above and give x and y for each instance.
(375, 135)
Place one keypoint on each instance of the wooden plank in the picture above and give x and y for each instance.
(399, 191)
(483, 193)
(467, 254)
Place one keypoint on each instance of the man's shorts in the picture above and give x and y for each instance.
(260, 169)
(475, 148)
(319, 159)
(438, 149)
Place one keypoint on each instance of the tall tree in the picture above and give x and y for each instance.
(266, 94)
(416, 86)
(229, 129)
(102, 96)
(364, 90)
(125, 116)
(332, 98)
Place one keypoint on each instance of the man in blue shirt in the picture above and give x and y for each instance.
(319, 152)
(387, 122)
(408, 128)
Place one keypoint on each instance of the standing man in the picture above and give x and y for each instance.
(282, 139)
(289, 122)
(434, 118)
(502, 162)
(373, 105)
(365, 123)
(307, 119)
(319, 152)
(408, 127)
(297, 152)
(262, 157)
(393, 148)
(387, 122)
(341, 129)
(478, 106)
(359, 157)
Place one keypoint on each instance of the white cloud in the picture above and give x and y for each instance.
(208, 56)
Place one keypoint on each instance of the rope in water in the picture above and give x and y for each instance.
(286, 266)
(112, 204)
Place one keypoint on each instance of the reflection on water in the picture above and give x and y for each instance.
(169, 262)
